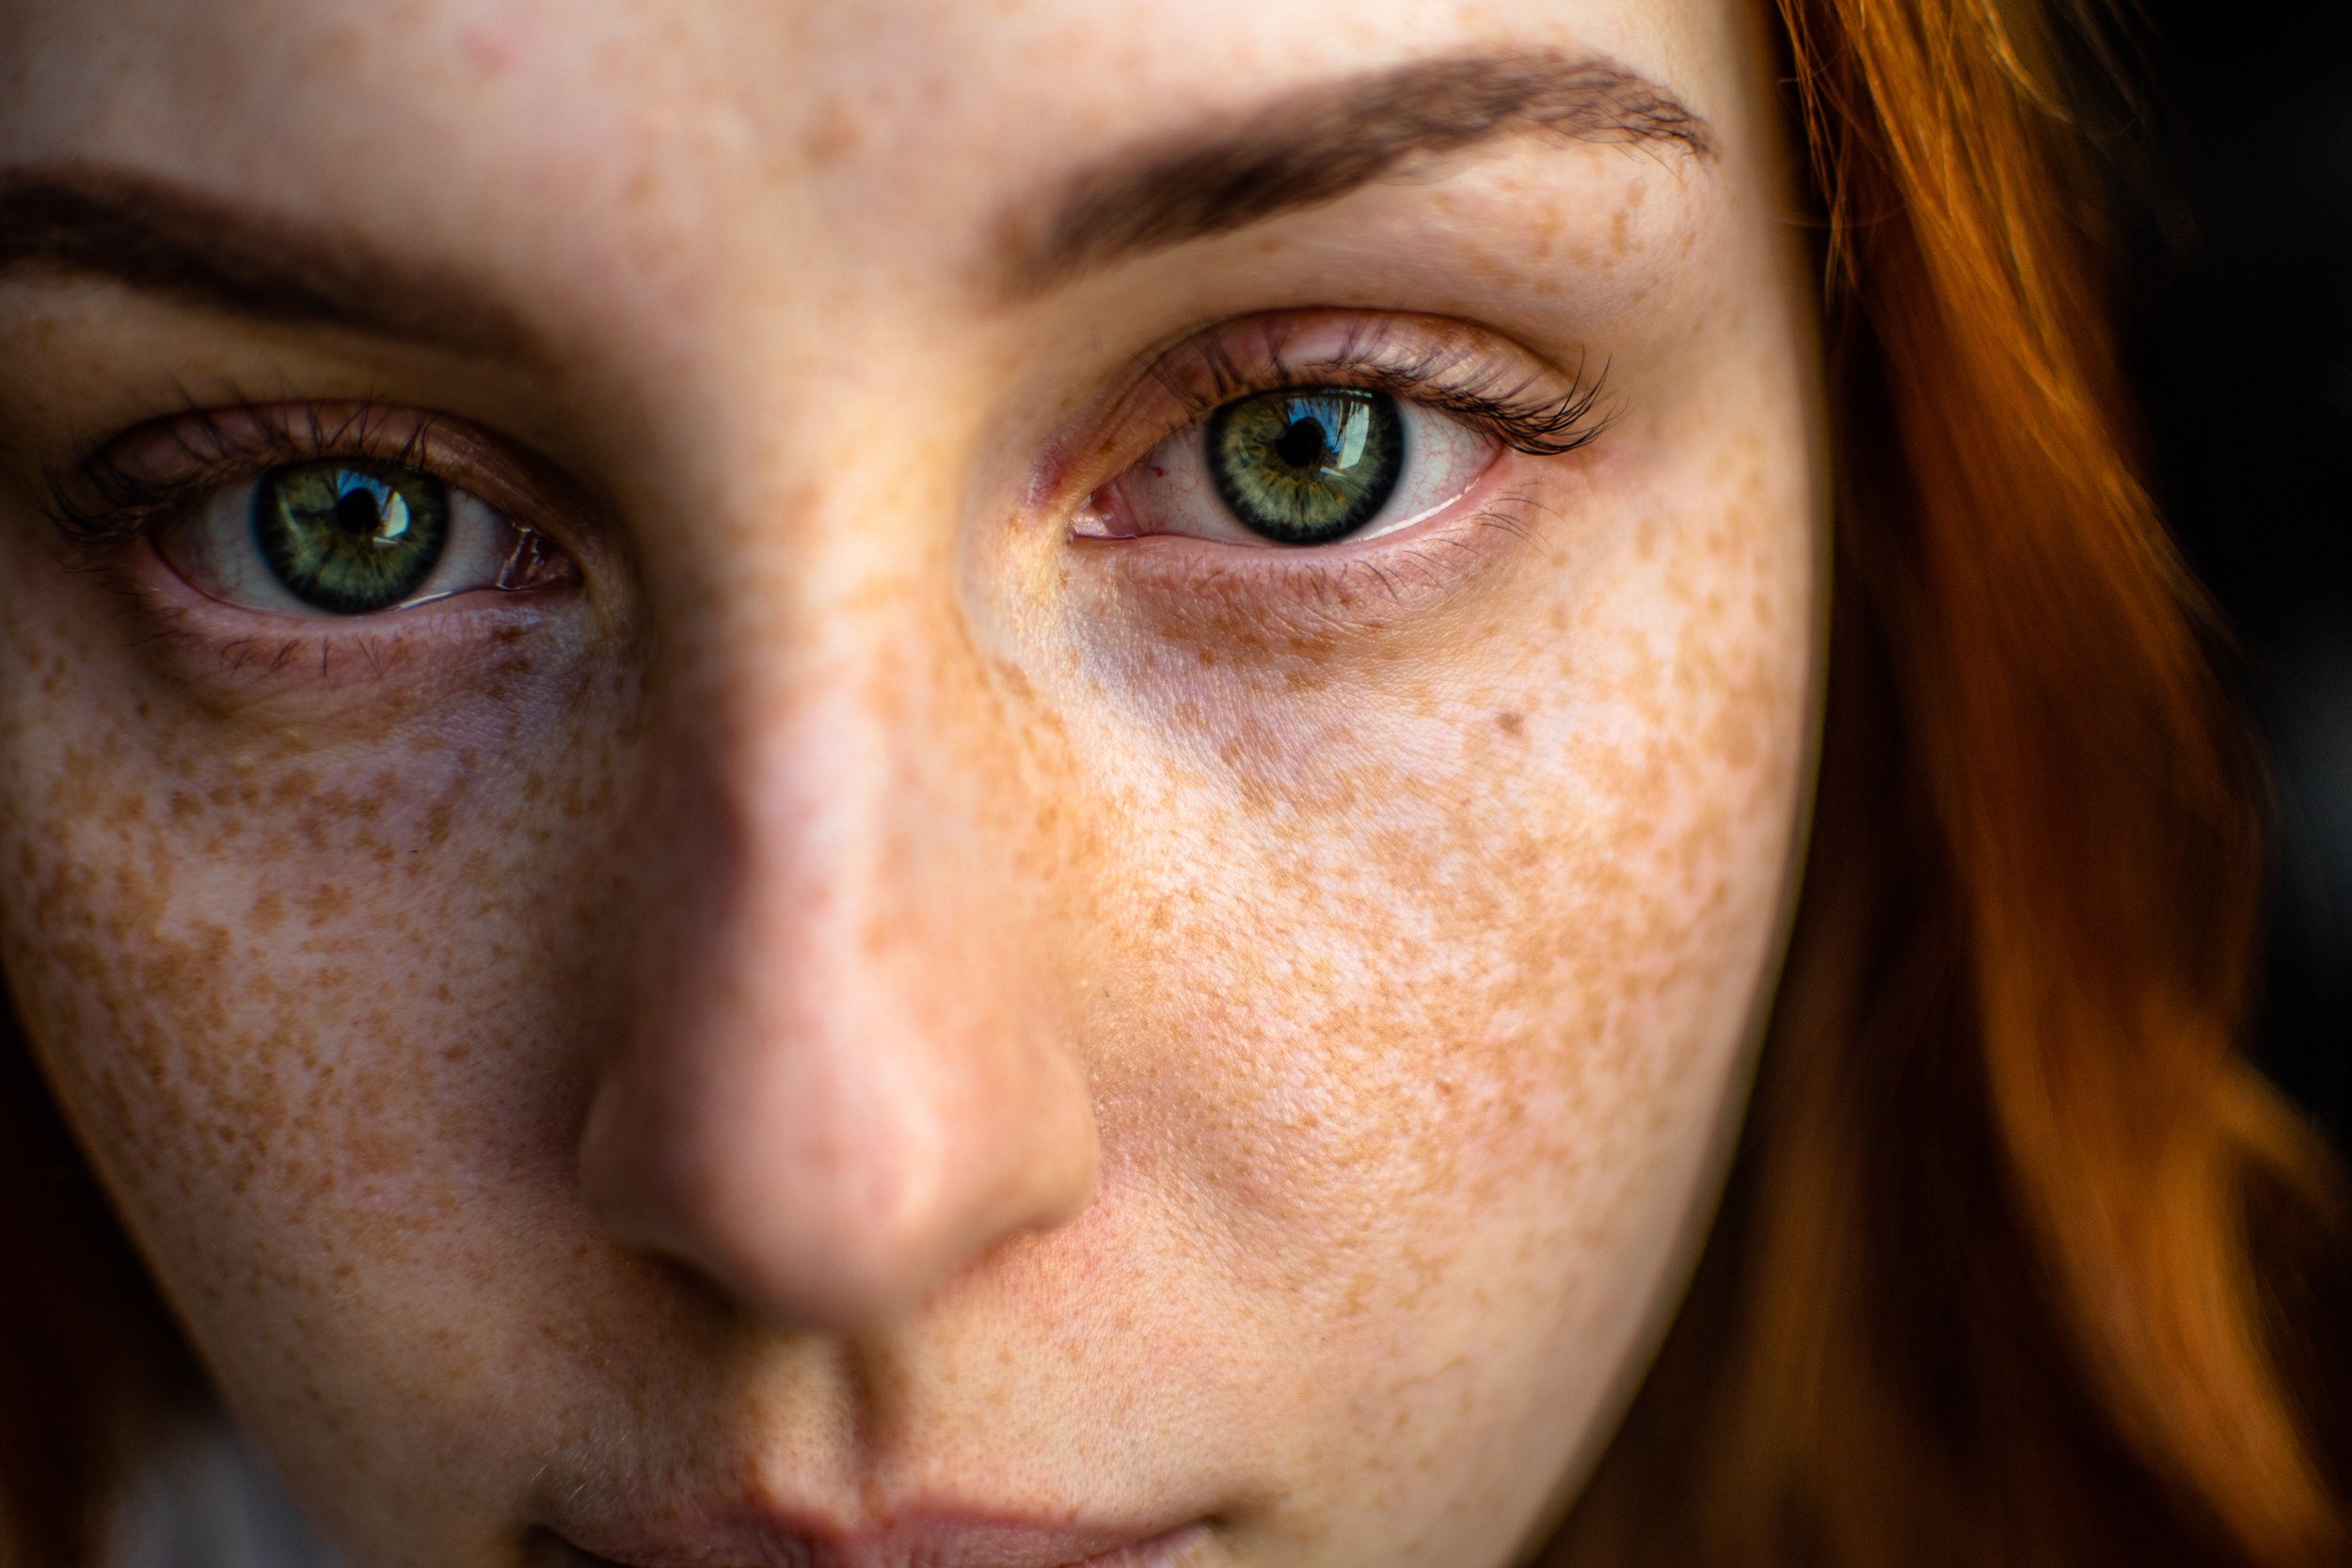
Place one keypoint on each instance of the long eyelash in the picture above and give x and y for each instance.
(1517, 414)
(103, 499)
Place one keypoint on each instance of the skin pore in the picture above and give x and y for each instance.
(908, 992)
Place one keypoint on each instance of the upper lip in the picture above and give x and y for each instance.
(918, 1539)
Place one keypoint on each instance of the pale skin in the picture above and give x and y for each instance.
(898, 1000)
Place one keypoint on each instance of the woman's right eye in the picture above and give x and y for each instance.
(349, 536)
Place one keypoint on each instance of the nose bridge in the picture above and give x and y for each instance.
(847, 1076)
(835, 773)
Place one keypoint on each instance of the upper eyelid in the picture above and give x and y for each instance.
(137, 477)
(1448, 365)
(156, 470)
(1239, 358)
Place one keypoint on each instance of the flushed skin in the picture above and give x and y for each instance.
(878, 1006)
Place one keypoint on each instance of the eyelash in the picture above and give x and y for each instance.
(1205, 374)
(104, 501)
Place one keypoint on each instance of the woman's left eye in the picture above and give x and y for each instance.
(1299, 467)
(346, 537)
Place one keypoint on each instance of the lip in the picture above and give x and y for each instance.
(919, 1541)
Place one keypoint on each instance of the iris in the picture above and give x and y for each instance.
(350, 537)
(1307, 467)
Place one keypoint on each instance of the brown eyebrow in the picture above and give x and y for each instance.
(1319, 146)
(136, 229)
(1328, 141)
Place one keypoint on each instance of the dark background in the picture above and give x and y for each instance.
(2234, 169)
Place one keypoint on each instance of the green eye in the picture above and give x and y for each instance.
(348, 536)
(1307, 467)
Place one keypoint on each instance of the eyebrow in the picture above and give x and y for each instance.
(1321, 144)
(1326, 141)
(105, 222)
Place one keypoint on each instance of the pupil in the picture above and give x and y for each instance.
(356, 516)
(1303, 445)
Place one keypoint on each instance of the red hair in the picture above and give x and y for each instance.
(1993, 1283)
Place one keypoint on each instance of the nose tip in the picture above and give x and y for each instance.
(839, 1206)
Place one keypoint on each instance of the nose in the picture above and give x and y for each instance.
(847, 1073)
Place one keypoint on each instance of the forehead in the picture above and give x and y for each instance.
(704, 122)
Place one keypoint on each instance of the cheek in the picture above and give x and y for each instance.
(295, 988)
(1438, 975)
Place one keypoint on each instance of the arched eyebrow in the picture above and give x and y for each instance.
(107, 222)
(1321, 142)
(1314, 146)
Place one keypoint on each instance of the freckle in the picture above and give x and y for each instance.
(329, 900)
(834, 134)
(491, 50)
(642, 186)
(1511, 723)
(295, 787)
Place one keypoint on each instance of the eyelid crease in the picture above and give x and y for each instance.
(1437, 369)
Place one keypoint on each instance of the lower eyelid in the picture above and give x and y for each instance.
(1216, 595)
(242, 654)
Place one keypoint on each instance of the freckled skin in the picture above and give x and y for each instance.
(869, 1003)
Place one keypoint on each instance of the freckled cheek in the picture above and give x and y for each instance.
(1358, 1027)
(1479, 951)
(292, 995)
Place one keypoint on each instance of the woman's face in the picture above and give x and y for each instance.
(898, 782)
